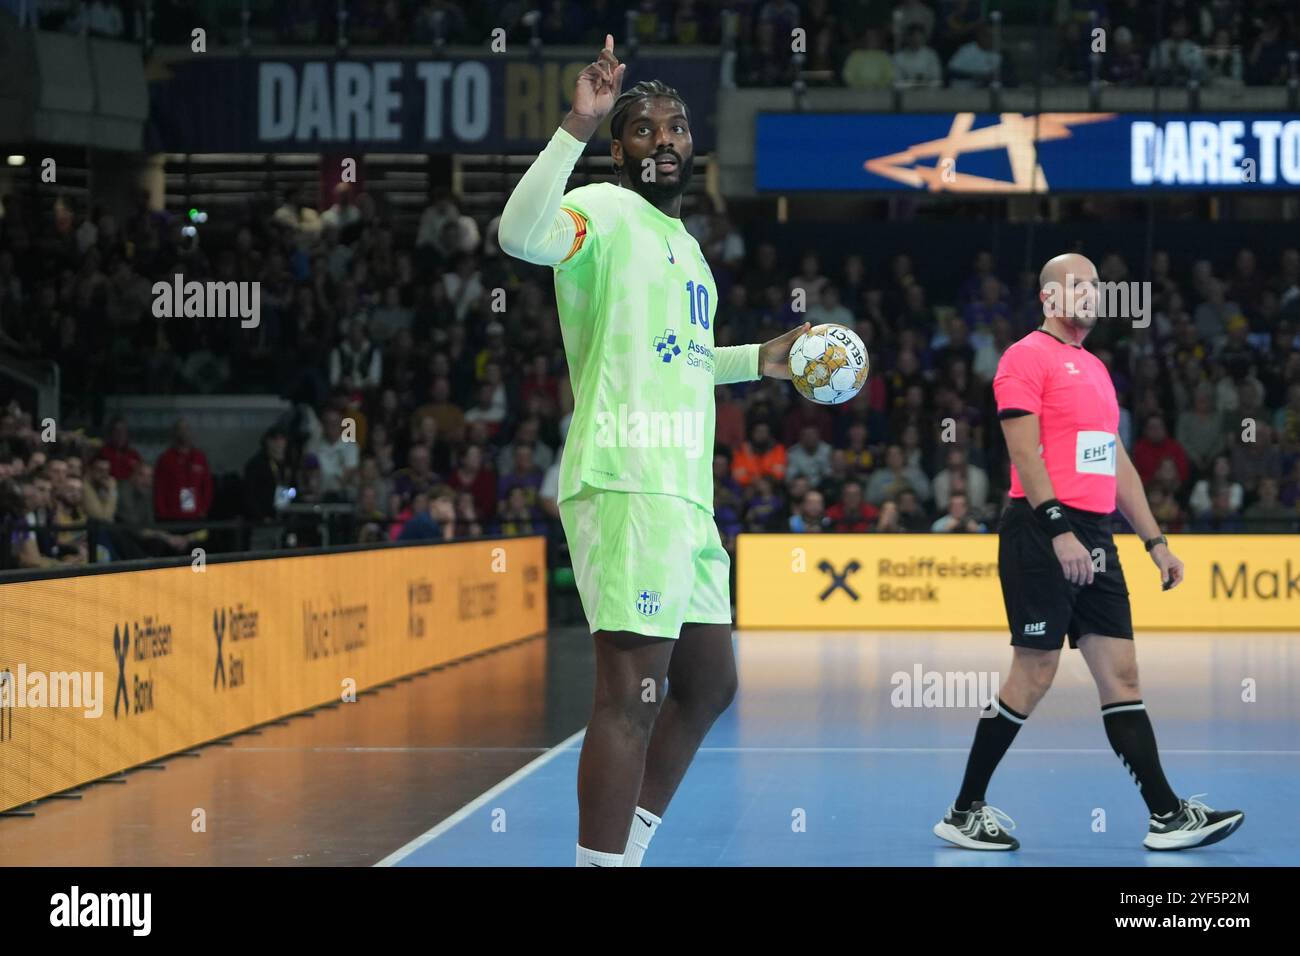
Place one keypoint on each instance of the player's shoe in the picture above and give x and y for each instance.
(980, 828)
(1192, 824)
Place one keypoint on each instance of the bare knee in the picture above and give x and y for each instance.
(629, 683)
(1040, 669)
(1032, 673)
(705, 699)
(724, 694)
(1113, 662)
(1125, 678)
(628, 708)
(1120, 682)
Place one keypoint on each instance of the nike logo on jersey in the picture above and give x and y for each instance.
(670, 252)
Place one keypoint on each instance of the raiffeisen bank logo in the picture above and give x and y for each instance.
(1016, 133)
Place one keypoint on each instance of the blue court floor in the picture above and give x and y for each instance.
(816, 765)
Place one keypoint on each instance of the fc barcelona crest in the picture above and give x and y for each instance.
(647, 602)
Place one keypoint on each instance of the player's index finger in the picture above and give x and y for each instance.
(609, 42)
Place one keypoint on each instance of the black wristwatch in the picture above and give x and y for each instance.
(1158, 539)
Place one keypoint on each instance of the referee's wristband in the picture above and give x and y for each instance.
(1052, 518)
(1158, 539)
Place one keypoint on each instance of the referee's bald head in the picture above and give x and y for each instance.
(1068, 290)
(1069, 265)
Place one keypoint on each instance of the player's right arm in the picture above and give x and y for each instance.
(1018, 391)
(534, 225)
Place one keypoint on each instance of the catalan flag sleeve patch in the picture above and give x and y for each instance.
(580, 236)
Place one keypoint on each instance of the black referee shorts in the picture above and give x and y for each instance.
(1042, 606)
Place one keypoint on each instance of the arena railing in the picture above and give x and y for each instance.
(338, 529)
(323, 530)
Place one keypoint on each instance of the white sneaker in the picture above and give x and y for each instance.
(980, 828)
(1193, 824)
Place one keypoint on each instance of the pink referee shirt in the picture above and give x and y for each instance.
(1071, 392)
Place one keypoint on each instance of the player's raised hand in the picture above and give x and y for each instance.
(774, 356)
(599, 84)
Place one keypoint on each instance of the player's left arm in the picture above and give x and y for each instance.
(746, 363)
(1133, 505)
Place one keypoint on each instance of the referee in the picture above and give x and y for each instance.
(1059, 568)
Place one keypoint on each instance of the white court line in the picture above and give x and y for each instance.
(477, 803)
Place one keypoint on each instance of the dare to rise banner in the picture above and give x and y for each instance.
(397, 104)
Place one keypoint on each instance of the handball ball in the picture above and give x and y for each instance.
(828, 364)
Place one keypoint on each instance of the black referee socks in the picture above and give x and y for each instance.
(992, 738)
(1128, 728)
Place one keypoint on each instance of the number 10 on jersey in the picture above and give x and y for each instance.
(698, 296)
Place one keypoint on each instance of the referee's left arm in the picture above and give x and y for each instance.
(1133, 505)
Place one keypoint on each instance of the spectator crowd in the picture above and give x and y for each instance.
(426, 374)
(430, 398)
(856, 43)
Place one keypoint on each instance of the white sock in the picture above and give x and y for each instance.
(644, 825)
(592, 858)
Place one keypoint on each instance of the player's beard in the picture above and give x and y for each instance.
(656, 192)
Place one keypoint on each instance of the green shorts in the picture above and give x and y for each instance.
(646, 563)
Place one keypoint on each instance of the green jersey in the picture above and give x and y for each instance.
(636, 301)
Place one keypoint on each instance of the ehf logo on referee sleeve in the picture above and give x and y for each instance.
(647, 603)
